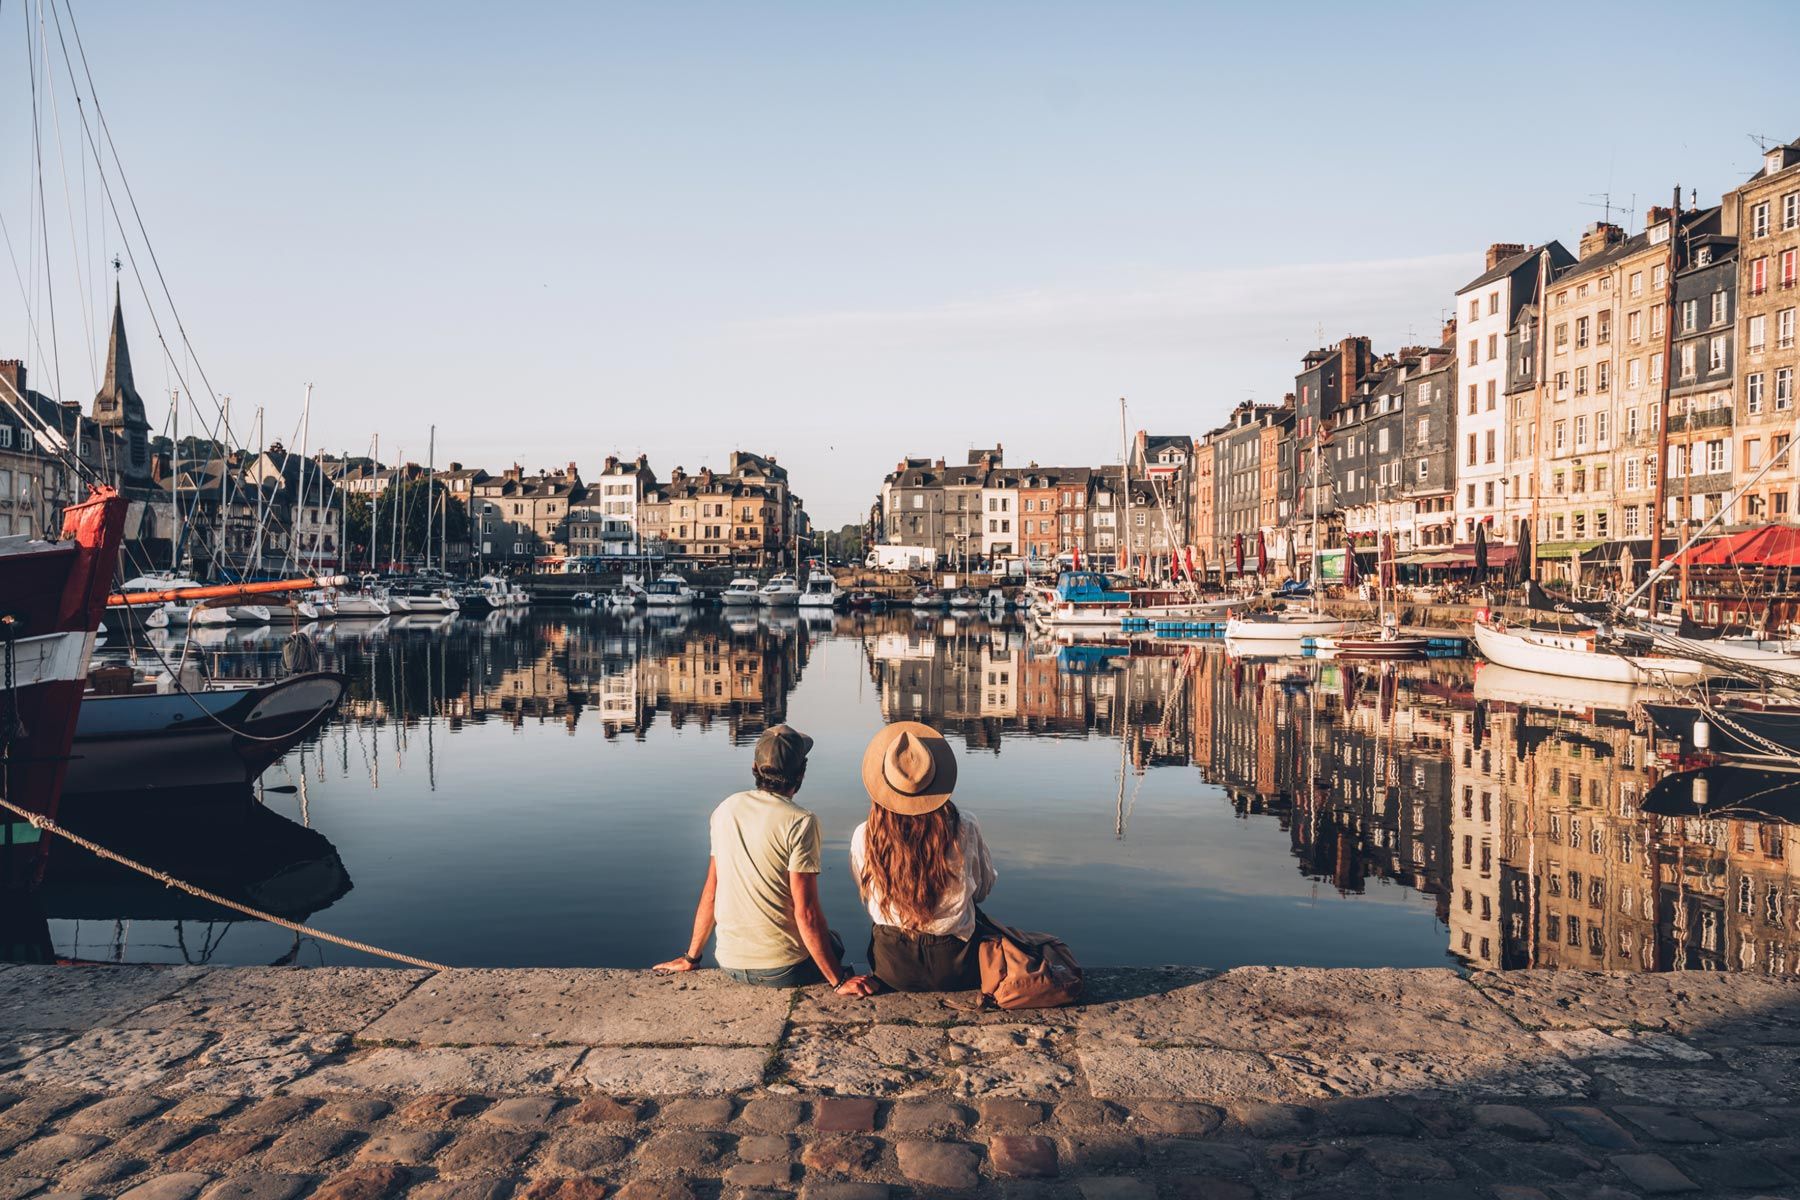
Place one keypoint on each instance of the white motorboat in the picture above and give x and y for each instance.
(497, 592)
(963, 597)
(1288, 626)
(927, 597)
(669, 591)
(740, 591)
(781, 589)
(1191, 610)
(821, 591)
(1574, 655)
(436, 602)
(367, 604)
(994, 601)
(229, 614)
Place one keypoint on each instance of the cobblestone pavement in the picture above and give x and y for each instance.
(342, 1084)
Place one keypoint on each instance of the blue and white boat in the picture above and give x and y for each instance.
(1084, 598)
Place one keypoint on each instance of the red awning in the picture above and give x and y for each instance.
(1769, 546)
(1498, 553)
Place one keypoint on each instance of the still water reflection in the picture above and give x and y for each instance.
(533, 790)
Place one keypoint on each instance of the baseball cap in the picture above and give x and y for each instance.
(782, 749)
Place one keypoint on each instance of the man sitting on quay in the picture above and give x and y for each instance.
(762, 882)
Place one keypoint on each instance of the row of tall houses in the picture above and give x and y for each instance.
(1572, 393)
(984, 511)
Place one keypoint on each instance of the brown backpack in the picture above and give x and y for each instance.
(1026, 970)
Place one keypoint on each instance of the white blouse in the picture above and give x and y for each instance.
(956, 908)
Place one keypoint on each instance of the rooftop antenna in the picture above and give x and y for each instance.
(1604, 202)
(1763, 141)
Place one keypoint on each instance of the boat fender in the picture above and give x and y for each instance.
(1702, 736)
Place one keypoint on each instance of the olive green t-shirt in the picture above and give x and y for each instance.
(757, 839)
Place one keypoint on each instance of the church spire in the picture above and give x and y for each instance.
(118, 356)
(118, 407)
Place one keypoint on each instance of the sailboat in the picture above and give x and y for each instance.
(1295, 625)
(1384, 640)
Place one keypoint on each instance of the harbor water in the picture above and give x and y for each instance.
(531, 789)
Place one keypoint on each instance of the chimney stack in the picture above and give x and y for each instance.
(1599, 236)
(1449, 337)
(1499, 252)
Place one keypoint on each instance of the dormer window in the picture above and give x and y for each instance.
(1703, 256)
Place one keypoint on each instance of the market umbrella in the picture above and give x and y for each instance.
(1293, 557)
(1237, 552)
(1385, 568)
(1479, 575)
(1627, 567)
(1190, 564)
(1262, 554)
(1349, 564)
(1574, 569)
(1524, 551)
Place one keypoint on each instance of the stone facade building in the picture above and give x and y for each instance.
(1763, 214)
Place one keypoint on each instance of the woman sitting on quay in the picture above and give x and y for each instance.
(920, 864)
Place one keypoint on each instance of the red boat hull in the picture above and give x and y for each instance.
(52, 596)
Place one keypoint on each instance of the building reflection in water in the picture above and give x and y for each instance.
(1514, 804)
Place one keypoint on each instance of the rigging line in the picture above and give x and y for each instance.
(43, 216)
(131, 199)
(45, 824)
(112, 205)
(31, 325)
(62, 159)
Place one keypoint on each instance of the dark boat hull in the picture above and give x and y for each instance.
(1745, 733)
(198, 740)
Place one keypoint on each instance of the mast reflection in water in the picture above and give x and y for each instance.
(532, 789)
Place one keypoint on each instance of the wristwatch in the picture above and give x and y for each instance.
(693, 960)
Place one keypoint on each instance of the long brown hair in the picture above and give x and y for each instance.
(910, 862)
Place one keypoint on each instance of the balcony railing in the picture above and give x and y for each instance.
(1711, 418)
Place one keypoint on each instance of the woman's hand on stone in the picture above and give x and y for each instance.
(859, 985)
(674, 965)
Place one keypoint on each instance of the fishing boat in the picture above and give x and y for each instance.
(167, 737)
(669, 591)
(821, 591)
(781, 589)
(739, 592)
(54, 595)
(1577, 655)
(1084, 598)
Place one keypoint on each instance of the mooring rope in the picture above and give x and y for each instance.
(47, 825)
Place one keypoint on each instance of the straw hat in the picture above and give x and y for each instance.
(909, 769)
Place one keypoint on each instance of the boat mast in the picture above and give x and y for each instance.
(1125, 486)
(396, 547)
(305, 440)
(174, 480)
(375, 503)
(224, 469)
(1662, 425)
(1314, 574)
(255, 561)
(430, 473)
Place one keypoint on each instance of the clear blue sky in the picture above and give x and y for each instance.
(845, 233)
